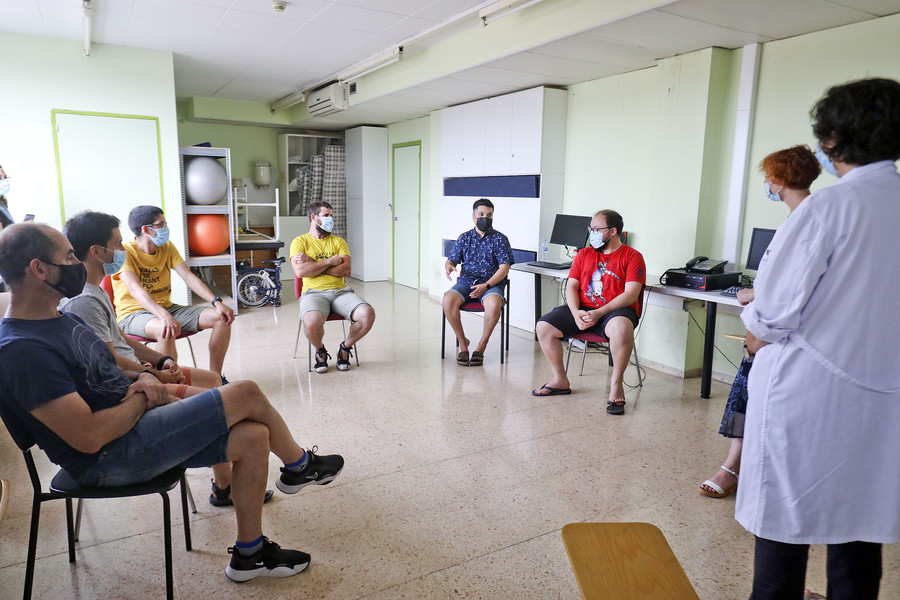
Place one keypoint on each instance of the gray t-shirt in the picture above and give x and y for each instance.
(93, 307)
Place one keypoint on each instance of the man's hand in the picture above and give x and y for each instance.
(478, 289)
(585, 319)
(171, 328)
(225, 313)
(166, 376)
(152, 388)
(172, 367)
(301, 258)
(753, 343)
(745, 296)
(449, 267)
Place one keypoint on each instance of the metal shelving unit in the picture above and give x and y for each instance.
(223, 208)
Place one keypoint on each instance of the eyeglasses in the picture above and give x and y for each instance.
(157, 225)
(597, 229)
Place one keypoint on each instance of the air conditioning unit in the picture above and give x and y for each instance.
(327, 100)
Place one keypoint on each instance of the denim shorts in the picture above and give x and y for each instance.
(187, 316)
(187, 433)
(463, 287)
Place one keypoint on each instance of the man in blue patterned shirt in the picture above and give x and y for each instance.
(485, 256)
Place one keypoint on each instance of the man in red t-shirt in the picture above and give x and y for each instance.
(602, 296)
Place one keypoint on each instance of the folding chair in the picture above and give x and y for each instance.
(106, 284)
(64, 487)
(298, 291)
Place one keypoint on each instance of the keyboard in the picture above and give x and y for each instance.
(733, 290)
(543, 264)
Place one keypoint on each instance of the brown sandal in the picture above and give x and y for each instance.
(477, 359)
(463, 358)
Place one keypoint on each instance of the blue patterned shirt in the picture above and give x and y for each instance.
(481, 256)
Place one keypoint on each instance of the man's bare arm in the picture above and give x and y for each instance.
(341, 270)
(629, 296)
(304, 266)
(71, 418)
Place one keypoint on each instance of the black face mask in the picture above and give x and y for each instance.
(483, 223)
(71, 279)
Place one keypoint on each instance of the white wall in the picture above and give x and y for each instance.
(42, 74)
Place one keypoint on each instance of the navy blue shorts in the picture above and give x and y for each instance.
(561, 318)
(188, 433)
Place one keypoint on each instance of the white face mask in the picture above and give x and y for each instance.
(4, 187)
(326, 223)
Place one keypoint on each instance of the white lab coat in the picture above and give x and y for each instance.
(821, 455)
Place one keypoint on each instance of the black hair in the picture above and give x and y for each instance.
(19, 245)
(860, 121)
(482, 202)
(142, 215)
(613, 219)
(315, 206)
(89, 228)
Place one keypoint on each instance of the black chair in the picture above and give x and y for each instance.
(64, 487)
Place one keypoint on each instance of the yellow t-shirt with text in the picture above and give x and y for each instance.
(154, 271)
(318, 250)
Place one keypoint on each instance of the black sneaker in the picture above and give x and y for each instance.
(320, 470)
(322, 357)
(344, 363)
(271, 561)
(222, 496)
(615, 408)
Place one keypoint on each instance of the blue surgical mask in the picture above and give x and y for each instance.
(596, 239)
(116, 264)
(826, 162)
(773, 196)
(326, 224)
(4, 187)
(162, 236)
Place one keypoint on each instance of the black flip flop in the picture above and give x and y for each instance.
(462, 358)
(553, 391)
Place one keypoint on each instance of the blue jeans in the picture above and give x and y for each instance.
(187, 433)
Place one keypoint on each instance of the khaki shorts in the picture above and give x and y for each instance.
(343, 302)
(187, 316)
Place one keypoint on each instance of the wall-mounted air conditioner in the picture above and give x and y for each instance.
(327, 100)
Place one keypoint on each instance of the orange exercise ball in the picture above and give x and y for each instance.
(208, 234)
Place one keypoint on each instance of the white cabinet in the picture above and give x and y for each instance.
(224, 207)
(523, 133)
(295, 151)
(368, 203)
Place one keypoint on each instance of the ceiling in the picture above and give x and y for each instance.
(244, 50)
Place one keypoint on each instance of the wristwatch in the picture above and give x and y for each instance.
(214, 300)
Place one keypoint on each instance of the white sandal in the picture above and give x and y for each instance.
(719, 492)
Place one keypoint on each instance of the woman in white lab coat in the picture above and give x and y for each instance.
(822, 433)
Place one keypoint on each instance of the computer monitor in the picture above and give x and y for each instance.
(759, 241)
(570, 230)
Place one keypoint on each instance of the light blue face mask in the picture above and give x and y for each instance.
(116, 264)
(162, 236)
(327, 223)
(596, 240)
(773, 196)
(826, 162)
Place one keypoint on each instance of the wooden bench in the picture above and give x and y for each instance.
(625, 561)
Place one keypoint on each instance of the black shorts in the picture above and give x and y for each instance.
(561, 318)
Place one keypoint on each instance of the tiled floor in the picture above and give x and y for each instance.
(457, 481)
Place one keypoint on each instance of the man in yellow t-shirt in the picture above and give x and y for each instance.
(322, 260)
(144, 284)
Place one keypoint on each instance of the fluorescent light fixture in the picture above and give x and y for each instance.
(500, 9)
(370, 65)
(86, 27)
(288, 101)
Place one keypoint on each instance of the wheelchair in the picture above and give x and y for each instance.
(258, 286)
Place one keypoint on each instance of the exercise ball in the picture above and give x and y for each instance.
(205, 181)
(208, 234)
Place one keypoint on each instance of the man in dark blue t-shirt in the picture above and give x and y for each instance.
(486, 256)
(60, 388)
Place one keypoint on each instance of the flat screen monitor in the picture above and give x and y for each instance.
(570, 230)
(759, 241)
